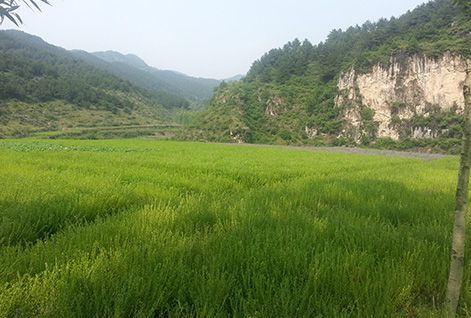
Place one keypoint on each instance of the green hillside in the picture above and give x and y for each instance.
(292, 88)
(43, 87)
(138, 77)
(132, 68)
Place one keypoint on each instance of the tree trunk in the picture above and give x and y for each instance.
(457, 250)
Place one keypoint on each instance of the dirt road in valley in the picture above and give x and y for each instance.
(356, 151)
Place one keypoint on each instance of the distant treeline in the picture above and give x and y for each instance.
(431, 29)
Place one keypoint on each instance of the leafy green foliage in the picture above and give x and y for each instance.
(431, 29)
(464, 5)
(279, 65)
(8, 8)
(438, 145)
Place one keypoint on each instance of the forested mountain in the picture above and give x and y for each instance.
(132, 68)
(44, 87)
(138, 77)
(116, 57)
(34, 71)
(289, 95)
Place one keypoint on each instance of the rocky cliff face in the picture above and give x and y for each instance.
(411, 97)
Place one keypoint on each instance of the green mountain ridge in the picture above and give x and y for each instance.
(293, 88)
(134, 69)
(113, 56)
(138, 77)
(44, 87)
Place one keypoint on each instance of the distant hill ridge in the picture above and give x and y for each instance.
(138, 72)
(113, 56)
(44, 87)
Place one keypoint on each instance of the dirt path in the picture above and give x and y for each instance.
(357, 151)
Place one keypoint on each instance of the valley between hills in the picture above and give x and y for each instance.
(393, 84)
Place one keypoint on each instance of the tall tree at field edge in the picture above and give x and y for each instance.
(457, 250)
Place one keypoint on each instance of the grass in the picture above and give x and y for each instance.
(156, 228)
(19, 119)
(161, 131)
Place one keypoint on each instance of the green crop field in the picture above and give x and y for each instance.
(149, 228)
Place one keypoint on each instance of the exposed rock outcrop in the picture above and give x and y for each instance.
(403, 96)
(273, 106)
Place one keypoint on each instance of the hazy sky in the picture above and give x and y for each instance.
(206, 38)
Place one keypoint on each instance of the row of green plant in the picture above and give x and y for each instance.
(136, 228)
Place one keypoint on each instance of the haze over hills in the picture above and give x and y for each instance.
(237, 77)
(130, 59)
(137, 77)
(192, 88)
(47, 87)
(171, 88)
(44, 87)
